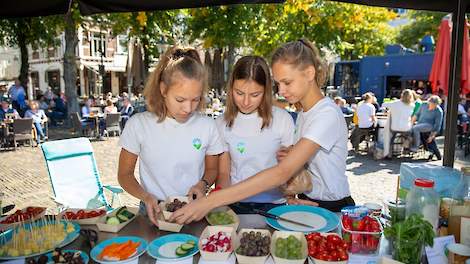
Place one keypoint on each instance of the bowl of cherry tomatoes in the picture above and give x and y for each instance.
(83, 216)
(25, 215)
(327, 248)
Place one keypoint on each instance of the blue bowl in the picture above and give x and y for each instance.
(163, 248)
(96, 251)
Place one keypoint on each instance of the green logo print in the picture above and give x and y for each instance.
(241, 147)
(197, 143)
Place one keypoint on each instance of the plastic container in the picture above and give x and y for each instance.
(362, 242)
(424, 200)
(395, 209)
(459, 213)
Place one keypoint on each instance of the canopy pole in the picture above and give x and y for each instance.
(455, 76)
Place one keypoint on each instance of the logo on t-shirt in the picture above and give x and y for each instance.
(241, 147)
(197, 143)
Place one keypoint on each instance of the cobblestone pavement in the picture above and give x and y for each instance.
(24, 179)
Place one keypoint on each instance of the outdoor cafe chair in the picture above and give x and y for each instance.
(80, 126)
(113, 123)
(74, 175)
(22, 131)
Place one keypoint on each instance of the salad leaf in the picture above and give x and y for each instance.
(409, 237)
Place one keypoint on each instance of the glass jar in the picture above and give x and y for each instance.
(424, 200)
(459, 215)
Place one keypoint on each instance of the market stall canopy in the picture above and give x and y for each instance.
(431, 5)
(28, 8)
(88, 7)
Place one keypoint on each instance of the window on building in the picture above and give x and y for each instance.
(51, 52)
(121, 44)
(35, 55)
(98, 44)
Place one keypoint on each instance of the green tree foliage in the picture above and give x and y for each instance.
(37, 32)
(423, 23)
(350, 30)
(150, 28)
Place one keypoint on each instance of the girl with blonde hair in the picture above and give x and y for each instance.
(175, 144)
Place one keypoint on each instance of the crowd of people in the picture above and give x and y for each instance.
(419, 117)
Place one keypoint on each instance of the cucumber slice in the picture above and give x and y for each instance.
(187, 246)
(122, 209)
(127, 214)
(112, 221)
(192, 242)
(122, 218)
(181, 252)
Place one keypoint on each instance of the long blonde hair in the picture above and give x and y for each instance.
(253, 68)
(185, 61)
(302, 53)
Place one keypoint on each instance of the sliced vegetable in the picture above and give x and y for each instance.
(112, 220)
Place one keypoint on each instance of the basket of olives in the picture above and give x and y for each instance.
(289, 247)
(223, 216)
(253, 246)
(172, 204)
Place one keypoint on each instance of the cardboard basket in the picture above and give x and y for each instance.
(212, 230)
(285, 234)
(229, 211)
(242, 259)
(84, 221)
(167, 214)
(103, 226)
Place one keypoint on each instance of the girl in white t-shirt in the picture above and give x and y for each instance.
(252, 130)
(176, 146)
(321, 140)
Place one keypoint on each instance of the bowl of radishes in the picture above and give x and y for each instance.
(216, 243)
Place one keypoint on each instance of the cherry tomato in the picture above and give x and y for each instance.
(333, 239)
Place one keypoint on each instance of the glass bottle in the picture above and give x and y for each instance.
(424, 200)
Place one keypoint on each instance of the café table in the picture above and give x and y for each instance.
(142, 227)
(95, 118)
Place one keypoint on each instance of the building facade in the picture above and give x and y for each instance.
(95, 48)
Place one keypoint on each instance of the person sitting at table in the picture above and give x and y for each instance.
(126, 111)
(342, 104)
(86, 108)
(366, 121)
(400, 113)
(252, 130)
(428, 120)
(6, 109)
(176, 145)
(39, 120)
(110, 108)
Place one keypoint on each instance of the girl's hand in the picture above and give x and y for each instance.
(282, 153)
(151, 205)
(293, 200)
(197, 191)
(193, 211)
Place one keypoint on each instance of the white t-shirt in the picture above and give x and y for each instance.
(364, 113)
(325, 125)
(400, 114)
(171, 154)
(253, 150)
